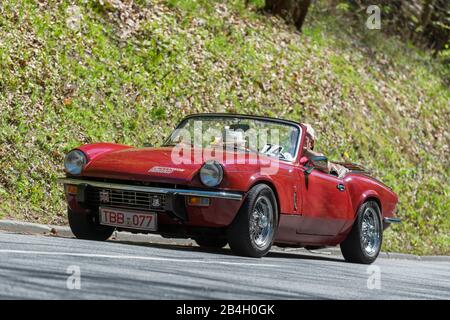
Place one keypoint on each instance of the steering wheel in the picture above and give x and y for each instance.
(273, 150)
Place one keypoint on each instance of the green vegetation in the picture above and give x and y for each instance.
(129, 72)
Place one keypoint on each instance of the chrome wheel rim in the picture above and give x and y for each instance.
(261, 222)
(370, 232)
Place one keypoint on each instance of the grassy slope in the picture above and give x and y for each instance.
(130, 73)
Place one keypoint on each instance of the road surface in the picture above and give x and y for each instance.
(44, 267)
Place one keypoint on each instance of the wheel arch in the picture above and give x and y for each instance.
(378, 202)
(365, 197)
(275, 192)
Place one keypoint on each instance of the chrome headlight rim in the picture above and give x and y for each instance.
(75, 161)
(205, 173)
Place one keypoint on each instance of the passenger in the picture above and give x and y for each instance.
(331, 168)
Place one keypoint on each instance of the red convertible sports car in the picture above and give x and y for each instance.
(228, 179)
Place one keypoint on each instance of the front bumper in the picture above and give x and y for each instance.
(230, 195)
(173, 198)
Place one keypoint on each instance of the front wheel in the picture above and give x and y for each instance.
(252, 231)
(363, 243)
(84, 227)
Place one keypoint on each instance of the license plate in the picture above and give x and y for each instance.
(128, 219)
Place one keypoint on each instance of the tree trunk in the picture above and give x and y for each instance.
(302, 11)
(428, 8)
(293, 11)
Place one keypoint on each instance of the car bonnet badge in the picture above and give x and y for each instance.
(166, 170)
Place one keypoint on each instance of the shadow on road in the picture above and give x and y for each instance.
(228, 252)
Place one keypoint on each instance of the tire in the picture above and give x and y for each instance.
(84, 227)
(253, 230)
(211, 242)
(363, 243)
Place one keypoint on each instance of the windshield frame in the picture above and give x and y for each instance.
(257, 118)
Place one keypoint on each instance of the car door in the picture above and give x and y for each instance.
(325, 205)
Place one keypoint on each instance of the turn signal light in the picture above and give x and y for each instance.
(198, 201)
(71, 189)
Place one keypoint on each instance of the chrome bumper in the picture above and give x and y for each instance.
(392, 220)
(230, 195)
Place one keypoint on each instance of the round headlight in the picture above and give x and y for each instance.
(74, 162)
(211, 173)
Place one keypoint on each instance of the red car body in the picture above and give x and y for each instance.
(315, 208)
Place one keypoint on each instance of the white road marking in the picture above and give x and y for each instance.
(107, 256)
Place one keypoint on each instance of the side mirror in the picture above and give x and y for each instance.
(303, 160)
(320, 162)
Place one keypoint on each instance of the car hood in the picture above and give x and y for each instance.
(141, 164)
(156, 165)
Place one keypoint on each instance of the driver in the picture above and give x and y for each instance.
(332, 168)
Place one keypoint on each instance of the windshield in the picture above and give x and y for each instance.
(275, 139)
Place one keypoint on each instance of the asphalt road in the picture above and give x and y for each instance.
(42, 267)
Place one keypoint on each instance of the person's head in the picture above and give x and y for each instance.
(310, 136)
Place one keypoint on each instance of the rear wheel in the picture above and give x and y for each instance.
(84, 227)
(252, 231)
(211, 242)
(363, 243)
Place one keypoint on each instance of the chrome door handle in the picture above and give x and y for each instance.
(340, 187)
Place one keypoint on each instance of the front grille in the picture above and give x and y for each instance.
(125, 199)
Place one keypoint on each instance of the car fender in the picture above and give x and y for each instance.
(283, 187)
(362, 187)
(369, 194)
(94, 150)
